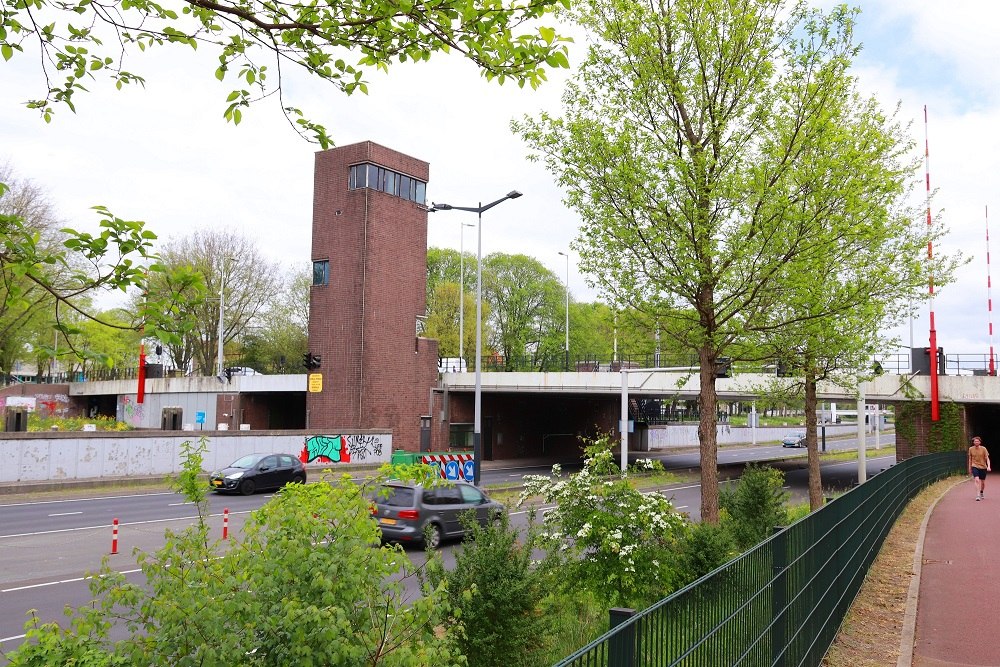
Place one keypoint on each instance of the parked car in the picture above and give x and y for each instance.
(255, 472)
(797, 439)
(405, 510)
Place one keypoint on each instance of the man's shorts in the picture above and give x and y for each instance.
(979, 472)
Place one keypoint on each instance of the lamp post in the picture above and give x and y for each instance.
(566, 255)
(461, 295)
(477, 430)
(220, 359)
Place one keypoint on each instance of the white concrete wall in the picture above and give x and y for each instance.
(686, 435)
(43, 457)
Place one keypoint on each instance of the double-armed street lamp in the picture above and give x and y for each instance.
(566, 255)
(477, 430)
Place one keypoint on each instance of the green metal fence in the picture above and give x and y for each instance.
(781, 603)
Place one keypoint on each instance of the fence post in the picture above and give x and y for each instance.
(622, 645)
(779, 558)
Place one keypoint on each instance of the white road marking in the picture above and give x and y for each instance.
(121, 525)
(65, 513)
(58, 581)
(82, 500)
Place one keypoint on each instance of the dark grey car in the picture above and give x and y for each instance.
(405, 510)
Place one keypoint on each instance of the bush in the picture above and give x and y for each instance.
(495, 594)
(609, 538)
(708, 547)
(755, 506)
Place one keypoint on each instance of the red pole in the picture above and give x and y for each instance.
(935, 407)
(141, 391)
(225, 523)
(114, 537)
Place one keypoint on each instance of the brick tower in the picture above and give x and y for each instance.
(369, 253)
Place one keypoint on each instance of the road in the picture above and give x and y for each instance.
(47, 547)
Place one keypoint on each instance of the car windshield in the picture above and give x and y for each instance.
(248, 461)
(395, 496)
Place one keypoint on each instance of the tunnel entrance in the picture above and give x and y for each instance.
(984, 420)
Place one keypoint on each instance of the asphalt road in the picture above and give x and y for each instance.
(48, 547)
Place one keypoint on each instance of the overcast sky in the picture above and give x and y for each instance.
(164, 154)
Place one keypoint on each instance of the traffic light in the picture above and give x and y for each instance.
(311, 361)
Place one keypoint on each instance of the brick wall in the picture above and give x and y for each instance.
(376, 372)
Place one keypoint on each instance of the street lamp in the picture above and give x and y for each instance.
(477, 430)
(461, 296)
(566, 255)
(222, 308)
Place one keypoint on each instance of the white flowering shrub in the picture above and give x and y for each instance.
(609, 538)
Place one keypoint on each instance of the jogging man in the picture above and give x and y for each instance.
(979, 465)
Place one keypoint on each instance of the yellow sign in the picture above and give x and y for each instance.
(315, 383)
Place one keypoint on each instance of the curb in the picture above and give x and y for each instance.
(909, 630)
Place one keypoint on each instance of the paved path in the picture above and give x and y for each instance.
(958, 620)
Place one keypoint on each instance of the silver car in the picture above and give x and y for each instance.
(412, 513)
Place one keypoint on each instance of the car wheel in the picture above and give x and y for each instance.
(247, 487)
(298, 479)
(432, 536)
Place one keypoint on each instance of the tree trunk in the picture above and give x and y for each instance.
(707, 436)
(815, 481)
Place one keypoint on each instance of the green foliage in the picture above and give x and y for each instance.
(576, 617)
(339, 44)
(118, 258)
(308, 583)
(609, 538)
(708, 546)
(39, 423)
(599, 455)
(944, 435)
(755, 506)
(496, 596)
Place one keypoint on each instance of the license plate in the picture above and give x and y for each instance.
(388, 522)
(216, 482)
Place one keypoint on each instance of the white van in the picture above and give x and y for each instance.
(452, 365)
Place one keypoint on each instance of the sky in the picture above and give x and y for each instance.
(165, 155)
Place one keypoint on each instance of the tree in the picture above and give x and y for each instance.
(526, 303)
(81, 41)
(25, 303)
(679, 147)
(864, 268)
(281, 338)
(228, 262)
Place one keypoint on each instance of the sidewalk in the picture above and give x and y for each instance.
(957, 622)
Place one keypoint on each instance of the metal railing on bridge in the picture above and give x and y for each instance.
(782, 602)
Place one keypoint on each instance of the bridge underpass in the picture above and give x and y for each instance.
(536, 414)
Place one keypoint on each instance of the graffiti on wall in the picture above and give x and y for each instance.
(357, 448)
(131, 412)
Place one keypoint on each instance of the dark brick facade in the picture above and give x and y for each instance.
(376, 372)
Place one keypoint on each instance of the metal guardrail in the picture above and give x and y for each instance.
(782, 602)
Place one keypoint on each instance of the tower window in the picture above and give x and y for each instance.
(367, 175)
(321, 272)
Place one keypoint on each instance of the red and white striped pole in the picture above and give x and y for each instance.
(935, 406)
(114, 537)
(989, 291)
(225, 523)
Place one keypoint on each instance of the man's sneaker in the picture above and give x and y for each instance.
(978, 498)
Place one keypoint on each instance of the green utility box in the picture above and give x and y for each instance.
(403, 457)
